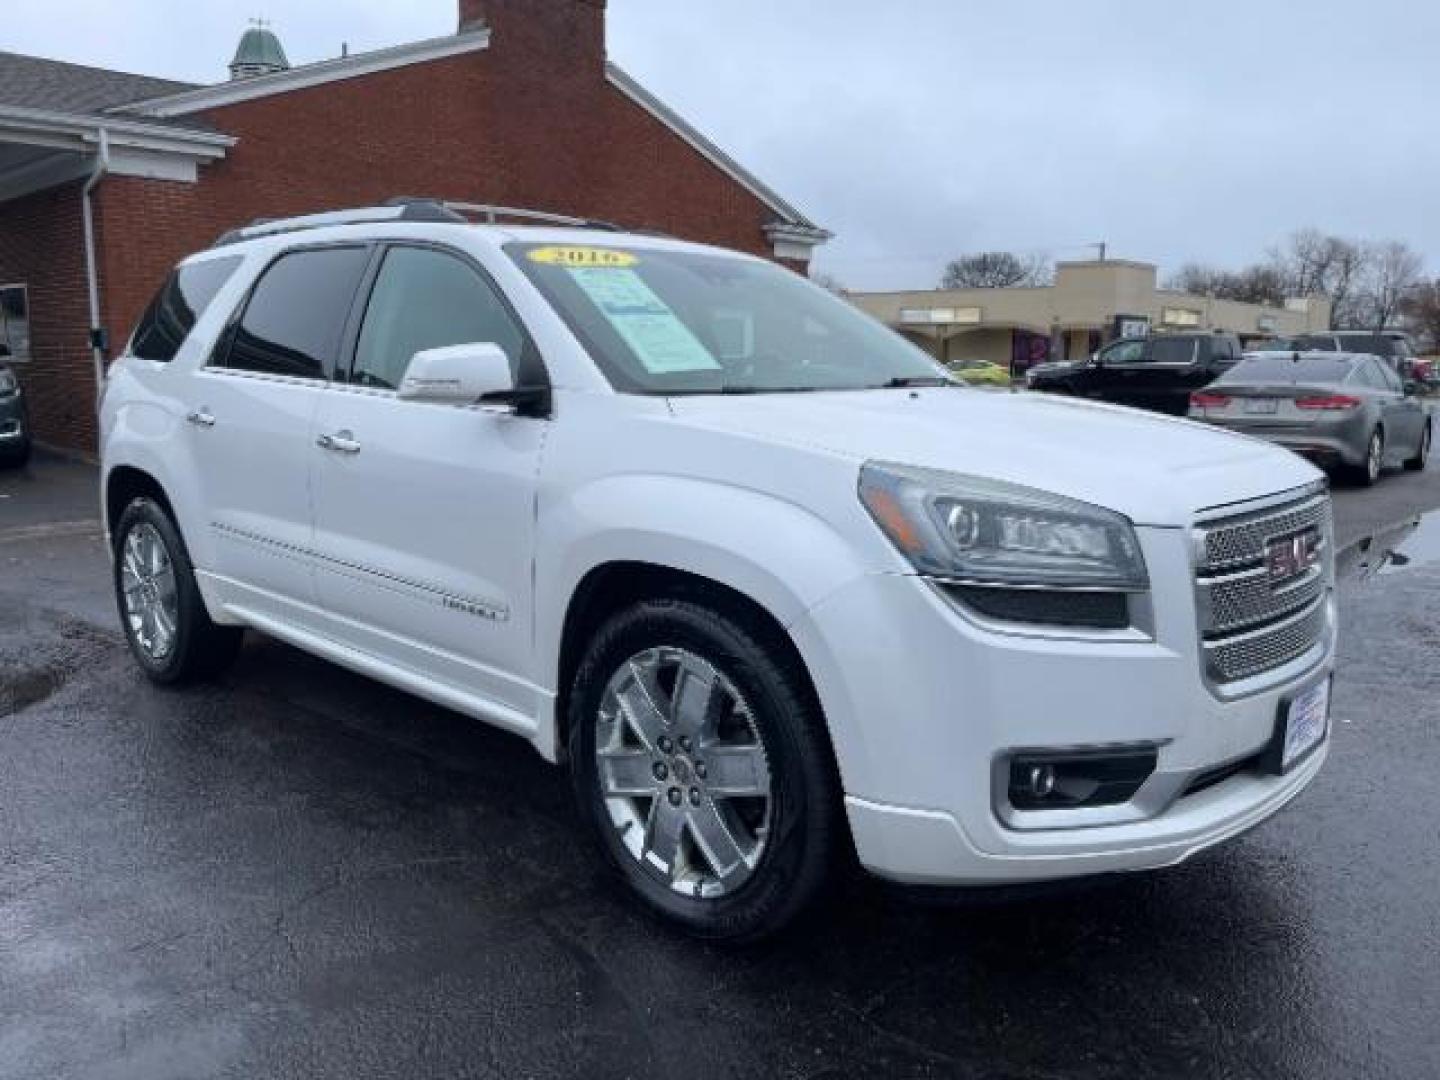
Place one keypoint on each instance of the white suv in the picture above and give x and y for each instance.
(768, 579)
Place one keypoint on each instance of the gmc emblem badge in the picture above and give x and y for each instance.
(1290, 556)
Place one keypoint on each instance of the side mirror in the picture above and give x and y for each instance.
(456, 375)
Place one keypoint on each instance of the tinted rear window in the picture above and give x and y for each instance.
(1173, 350)
(1317, 343)
(177, 307)
(1277, 368)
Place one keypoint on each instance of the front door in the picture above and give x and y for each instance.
(425, 514)
(250, 420)
(1115, 374)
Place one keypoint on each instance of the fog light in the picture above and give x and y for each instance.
(1042, 781)
(1070, 780)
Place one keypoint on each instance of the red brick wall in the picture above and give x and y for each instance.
(42, 246)
(531, 121)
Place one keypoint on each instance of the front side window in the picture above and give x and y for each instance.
(661, 321)
(15, 320)
(177, 307)
(426, 299)
(295, 317)
(1124, 352)
(1392, 381)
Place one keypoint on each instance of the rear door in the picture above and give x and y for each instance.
(251, 414)
(1404, 414)
(425, 513)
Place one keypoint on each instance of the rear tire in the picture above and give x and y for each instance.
(1367, 473)
(17, 458)
(781, 844)
(1422, 455)
(162, 613)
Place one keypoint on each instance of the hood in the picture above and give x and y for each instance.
(1156, 470)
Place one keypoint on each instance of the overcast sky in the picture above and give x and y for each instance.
(919, 129)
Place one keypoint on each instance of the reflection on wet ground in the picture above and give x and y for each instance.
(1411, 544)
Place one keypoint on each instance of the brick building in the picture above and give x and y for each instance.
(519, 108)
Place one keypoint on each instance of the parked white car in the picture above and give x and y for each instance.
(756, 568)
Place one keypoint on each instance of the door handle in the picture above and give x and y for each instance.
(342, 442)
(201, 417)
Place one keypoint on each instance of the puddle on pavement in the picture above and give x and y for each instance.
(1413, 544)
(21, 689)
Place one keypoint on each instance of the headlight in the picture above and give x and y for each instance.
(969, 529)
(8, 382)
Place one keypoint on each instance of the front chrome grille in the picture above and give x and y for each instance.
(1249, 622)
(1248, 655)
(1238, 601)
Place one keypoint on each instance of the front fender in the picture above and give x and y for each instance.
(781, 555)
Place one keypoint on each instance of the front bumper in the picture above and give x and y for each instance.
(924, 702)
(1343, 441)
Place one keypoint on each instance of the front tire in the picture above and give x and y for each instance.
(1422, 455)
(701, 764)
(162, 613)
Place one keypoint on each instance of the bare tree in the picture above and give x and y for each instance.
(1262, 283)
(1393, 272)
(1313, 263)
(1422, 311)
(995, 270)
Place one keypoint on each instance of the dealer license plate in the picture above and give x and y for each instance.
(1263, 406)
(1306, 722)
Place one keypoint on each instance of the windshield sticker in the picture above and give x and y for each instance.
(575, 257)
(663, 343)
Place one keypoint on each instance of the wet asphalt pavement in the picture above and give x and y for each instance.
(297, 872)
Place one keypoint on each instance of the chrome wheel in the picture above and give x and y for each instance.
(147, 581)
(683, 772)
(1374, 457)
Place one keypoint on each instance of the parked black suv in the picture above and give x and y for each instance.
(14, 424)
(1157, 373)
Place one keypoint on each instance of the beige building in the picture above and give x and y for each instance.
(1089, 304)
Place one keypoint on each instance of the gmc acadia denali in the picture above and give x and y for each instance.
(769, 581)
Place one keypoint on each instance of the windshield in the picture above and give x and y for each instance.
(1374, 344)
(678, 322)
(1276, 367)
(1315, 343)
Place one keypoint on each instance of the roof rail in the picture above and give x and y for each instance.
(407, 208)
(491, 215)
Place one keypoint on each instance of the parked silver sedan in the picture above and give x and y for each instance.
(1344, 411)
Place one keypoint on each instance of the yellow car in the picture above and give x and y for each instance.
(980, 372)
